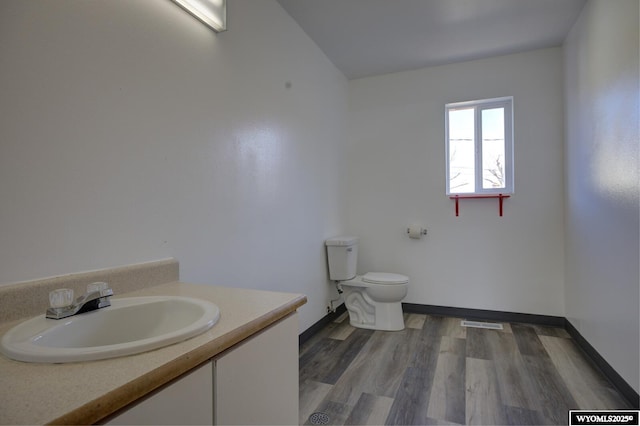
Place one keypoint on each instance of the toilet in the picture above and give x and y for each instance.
(373, 300)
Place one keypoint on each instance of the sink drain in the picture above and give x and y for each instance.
(319, 419)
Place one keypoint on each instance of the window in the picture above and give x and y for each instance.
(479, 145)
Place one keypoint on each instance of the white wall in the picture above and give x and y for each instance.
(602, 221)
(397, 177)
(130, 132)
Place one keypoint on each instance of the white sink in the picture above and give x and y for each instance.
(129, 326)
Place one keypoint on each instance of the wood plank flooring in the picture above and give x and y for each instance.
(437, 372)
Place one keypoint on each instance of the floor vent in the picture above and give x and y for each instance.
(478, 324)
(319, 418)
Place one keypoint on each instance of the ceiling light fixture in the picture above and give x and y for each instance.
(212, 13)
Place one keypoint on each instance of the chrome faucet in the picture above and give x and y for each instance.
(98, 296)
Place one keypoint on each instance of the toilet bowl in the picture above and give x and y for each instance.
(373, 300)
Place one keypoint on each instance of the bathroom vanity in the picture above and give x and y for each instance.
(250, 383)
(244, 370)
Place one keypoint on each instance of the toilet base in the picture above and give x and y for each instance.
(364, 312)
(391, 320)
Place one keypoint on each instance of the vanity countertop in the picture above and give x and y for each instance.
(87, 392)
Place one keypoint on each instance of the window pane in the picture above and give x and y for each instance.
(493, 173)
(461, 151)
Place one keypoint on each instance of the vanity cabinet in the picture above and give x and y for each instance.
(256, 381)
(185, 401)
(253, 382)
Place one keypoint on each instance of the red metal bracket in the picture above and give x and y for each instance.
(500, 198)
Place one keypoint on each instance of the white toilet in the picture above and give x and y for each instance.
(373, 299)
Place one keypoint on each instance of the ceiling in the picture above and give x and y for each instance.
(370, 37)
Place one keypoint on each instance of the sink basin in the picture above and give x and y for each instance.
(129, 326)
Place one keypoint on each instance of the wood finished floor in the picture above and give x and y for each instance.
(437, 372)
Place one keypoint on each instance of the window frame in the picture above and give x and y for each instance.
(479, 106)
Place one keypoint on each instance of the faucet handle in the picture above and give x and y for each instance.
(97, 286)
(61, 298)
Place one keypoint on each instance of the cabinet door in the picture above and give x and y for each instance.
(256, 382)
(186, 401)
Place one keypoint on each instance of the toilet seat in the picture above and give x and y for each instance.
(384, 278)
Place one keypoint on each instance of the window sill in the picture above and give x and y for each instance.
(457, 197)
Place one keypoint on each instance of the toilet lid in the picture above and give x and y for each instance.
(384, 278)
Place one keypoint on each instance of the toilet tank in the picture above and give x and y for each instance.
(342, 254)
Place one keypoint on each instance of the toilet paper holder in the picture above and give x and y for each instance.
(416, 231)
